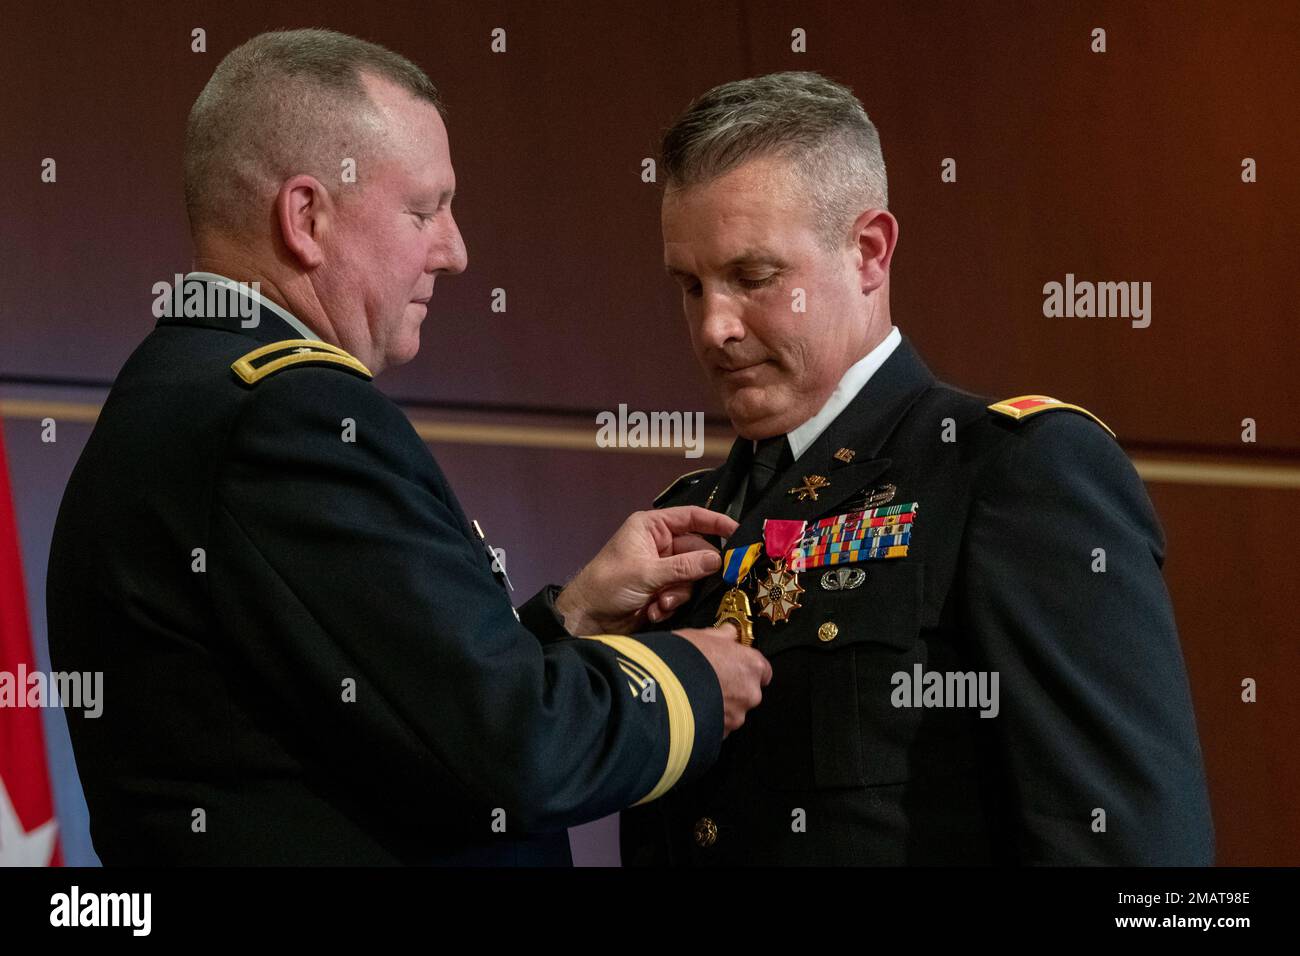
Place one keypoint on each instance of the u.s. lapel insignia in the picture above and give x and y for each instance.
(843, 579)
(845, 455)
(811, 485)
(777, 593)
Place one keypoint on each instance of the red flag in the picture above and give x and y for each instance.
(28, 830)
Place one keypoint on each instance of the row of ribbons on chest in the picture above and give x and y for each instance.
(794, 546)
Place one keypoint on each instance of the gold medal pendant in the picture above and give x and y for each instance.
(735, 603)
(778, 593)
(735, 608)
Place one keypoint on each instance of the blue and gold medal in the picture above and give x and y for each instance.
(735, 603)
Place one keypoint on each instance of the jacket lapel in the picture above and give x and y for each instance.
(722, 484)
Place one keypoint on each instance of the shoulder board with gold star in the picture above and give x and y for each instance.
(290, 353)
(680, 483)
(1023, 406)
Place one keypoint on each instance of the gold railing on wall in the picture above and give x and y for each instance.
(1188, 471)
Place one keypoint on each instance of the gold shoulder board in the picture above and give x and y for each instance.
(269, 359)
(1022, 406)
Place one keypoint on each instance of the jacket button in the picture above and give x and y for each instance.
(828, 631)
(706, 832)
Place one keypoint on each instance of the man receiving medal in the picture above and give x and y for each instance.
(899, 541)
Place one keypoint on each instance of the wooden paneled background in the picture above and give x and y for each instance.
(1116, 166)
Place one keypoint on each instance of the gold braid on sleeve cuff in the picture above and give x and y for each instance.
(681, 719)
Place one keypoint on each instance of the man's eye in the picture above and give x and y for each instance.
(757, 283)
(692, 289)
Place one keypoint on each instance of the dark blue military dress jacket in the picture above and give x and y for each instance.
(307, 656)
(1034, 555)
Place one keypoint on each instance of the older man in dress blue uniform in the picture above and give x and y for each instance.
(308, 650)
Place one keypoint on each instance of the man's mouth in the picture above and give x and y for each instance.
(736, 371)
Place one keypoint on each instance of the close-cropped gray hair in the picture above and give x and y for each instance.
(281, 104)
(813, 122)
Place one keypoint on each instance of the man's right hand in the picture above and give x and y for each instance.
(645, 570)
(742, 671)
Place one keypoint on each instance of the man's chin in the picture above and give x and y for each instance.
(403, 351)
(754, 416)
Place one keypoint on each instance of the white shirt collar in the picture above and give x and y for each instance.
(850, 384)
(264, 302)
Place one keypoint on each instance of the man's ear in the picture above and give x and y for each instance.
(304, 212)
(875, 236)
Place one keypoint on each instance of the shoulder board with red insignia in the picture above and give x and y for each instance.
(680, 483)
(1024, 406)
(289, 353)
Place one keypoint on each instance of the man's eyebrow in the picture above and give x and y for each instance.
(750, 257)
(753, 257)
(425, 196)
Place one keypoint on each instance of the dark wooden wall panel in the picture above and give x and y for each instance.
(1122, 166)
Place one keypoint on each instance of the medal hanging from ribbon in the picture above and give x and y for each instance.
(869, 535)
(735, 603)
(778, 593)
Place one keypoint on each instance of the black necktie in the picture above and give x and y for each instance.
(772, 456)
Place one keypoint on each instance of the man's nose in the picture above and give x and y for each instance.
(449, 255)
(720, 321)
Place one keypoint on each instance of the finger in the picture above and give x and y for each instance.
(657, 612)
(683, 568)
(687, 518)
(673, 597)
(666, 601)
(689, 542)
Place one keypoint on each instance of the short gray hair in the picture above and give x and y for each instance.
(805, 118)
(281, 104)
